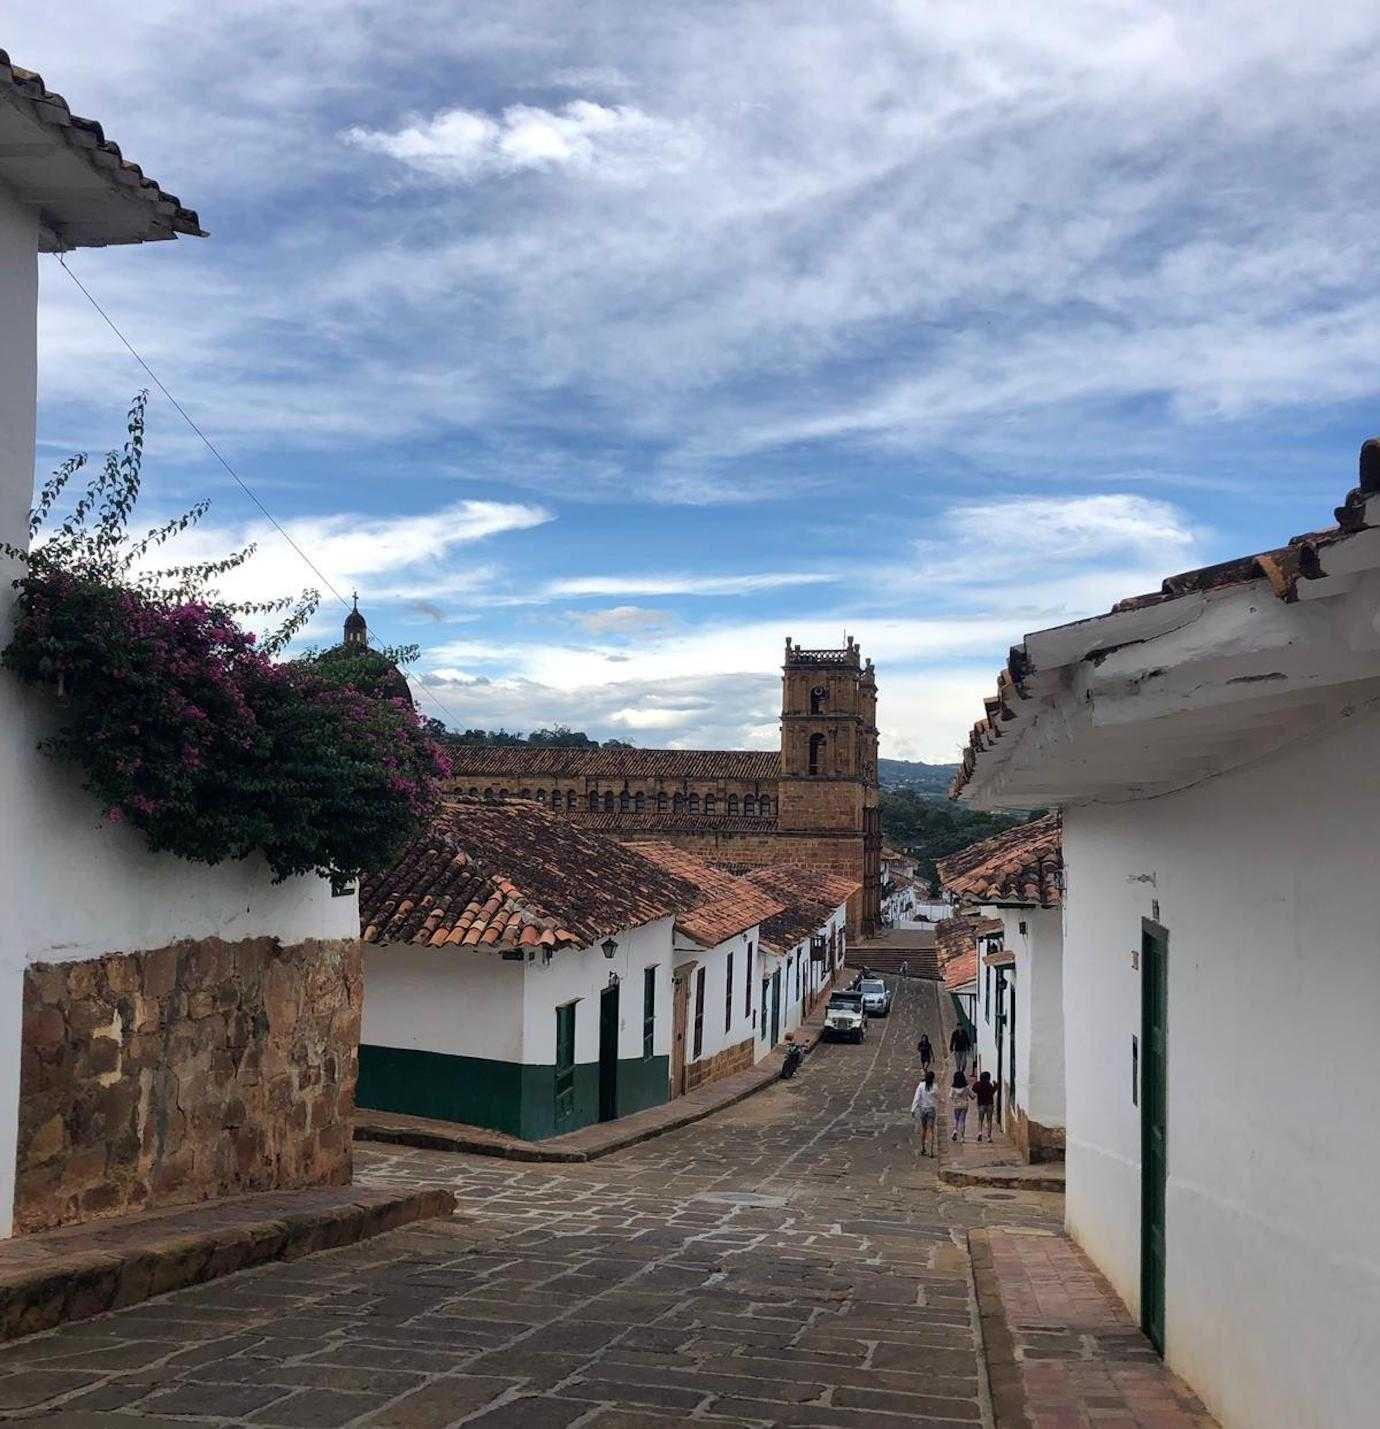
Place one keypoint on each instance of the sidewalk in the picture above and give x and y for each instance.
(1062, 1351)
(600, 1139)
(81, 1271)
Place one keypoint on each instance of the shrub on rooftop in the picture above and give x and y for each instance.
(183, 723)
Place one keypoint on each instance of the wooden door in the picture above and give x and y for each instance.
(1154, 1160)
(775, 1008)
(680, 1017)
(565, 1066)
(608, 1053)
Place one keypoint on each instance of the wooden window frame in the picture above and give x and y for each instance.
(648, 1012)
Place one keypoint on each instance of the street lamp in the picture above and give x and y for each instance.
(610, 947)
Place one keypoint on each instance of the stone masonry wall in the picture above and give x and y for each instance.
(198, 1070)
(737, 1058)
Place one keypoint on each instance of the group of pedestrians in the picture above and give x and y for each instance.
(924, 1106)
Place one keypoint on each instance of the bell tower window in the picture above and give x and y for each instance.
(817, 747)
(819, 697)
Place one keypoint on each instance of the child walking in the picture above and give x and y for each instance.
(923, 1107)
(925, 1050)
(985, 1093)
(959, 1098)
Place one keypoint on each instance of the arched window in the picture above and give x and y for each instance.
(488, 793)
(817, 744)
(608, 801)
(749, 804)
(680, 803)
(694, 803)
(555, 798)
(502, 793)
(526, 793)
(474, 792)
(817, 698)
(639, 802)
(661, 802)
(541, 796)
(732, 803)
(624, 802)
(764, 806)
(710, 803)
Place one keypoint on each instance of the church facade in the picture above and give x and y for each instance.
(814, 801)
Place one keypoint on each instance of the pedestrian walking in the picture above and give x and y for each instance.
(959, 1097)
(905, 967)
(925, 1049)
(959, 1045)
(923, 1107)
(985, 1094)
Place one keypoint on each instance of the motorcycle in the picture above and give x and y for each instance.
(794, 1057)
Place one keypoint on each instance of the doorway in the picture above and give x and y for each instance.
(608, 1053)
(680, 1017)
(1154, 1161)
(775, 1008)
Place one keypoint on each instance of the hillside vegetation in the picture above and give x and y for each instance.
(931, 827)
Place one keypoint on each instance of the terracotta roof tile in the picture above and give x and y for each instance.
(630, 825)
(955, 942)
(809, 897)
(511, 875)
(729, 905)
(1024, 865)
(469, 761)
(26, 91)
(1303, 559)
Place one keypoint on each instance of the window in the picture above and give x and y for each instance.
(699, 1013)
(624, 802)
(502, 793)
(747, 983)
(732, 803)
(817, 743)
(648, 1010)
(694, 803)
(680, 803)
(709, 803)
(526, 793)
(749, 805)
(661, 803)
(608, 801)
(565, 1063)
(488, 793)
(765, 807)
(639, 803)
(474, 793)
(728, 994)
(817, 698)
(541, 796)
(555, 798)
(987, 996)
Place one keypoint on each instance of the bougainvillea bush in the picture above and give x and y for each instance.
(182, 723)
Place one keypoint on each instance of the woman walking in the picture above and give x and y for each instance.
(925, 1050)
(959, 1099)
(923, 1107)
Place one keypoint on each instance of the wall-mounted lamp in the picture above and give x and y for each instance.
(610, 947)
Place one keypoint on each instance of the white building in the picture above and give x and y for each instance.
(88, 910)
(1214, 748)
(1014, 881)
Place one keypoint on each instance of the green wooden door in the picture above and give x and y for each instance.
(1154, 1166)
(565, 1065)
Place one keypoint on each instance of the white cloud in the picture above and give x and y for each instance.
(625, 620)
(685, 584)
(618, 143)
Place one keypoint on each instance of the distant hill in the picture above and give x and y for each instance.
(913, 774)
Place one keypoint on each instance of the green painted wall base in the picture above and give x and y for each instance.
(506, 1096)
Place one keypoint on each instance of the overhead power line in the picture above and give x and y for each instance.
(230, 470)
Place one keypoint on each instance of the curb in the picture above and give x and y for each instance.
(1008, 1178)
(92, 1280)
(436, 1138)
(1005, 1384)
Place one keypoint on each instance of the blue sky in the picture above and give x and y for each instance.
(602, 345)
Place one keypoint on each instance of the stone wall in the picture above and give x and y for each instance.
(1036, 1142)
(198, 1070)
(737, 1058)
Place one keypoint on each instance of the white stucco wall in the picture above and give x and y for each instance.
(72, 886)
(1039, 1009)
(458, 1001)
(1266, 881)
(714, 961)
(580, 975)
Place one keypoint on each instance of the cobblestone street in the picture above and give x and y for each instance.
(789, 1261)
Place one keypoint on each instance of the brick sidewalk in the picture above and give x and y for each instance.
(589, 1143)
(1062, 1351)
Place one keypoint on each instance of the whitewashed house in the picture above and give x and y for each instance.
(804, 945)
(105, 949)
(1014, 882)
(717, 969)
(1214, 749)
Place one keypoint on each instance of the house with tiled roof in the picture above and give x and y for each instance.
(518, 972)
(720, 957)
(141, 991)
(814, 800)
(1213, 749)
(1013, 884)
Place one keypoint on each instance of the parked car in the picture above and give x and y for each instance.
(876, 997)
(844, 1017)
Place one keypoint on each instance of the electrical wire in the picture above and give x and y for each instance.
(233, 474)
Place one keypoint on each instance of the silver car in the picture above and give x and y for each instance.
(876, 997)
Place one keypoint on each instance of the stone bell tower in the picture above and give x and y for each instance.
(828, 790)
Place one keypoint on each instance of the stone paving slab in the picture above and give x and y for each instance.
(81, 1271)
(1062, 1350)
(589, 1143)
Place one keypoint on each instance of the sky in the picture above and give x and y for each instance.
(602, 345)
